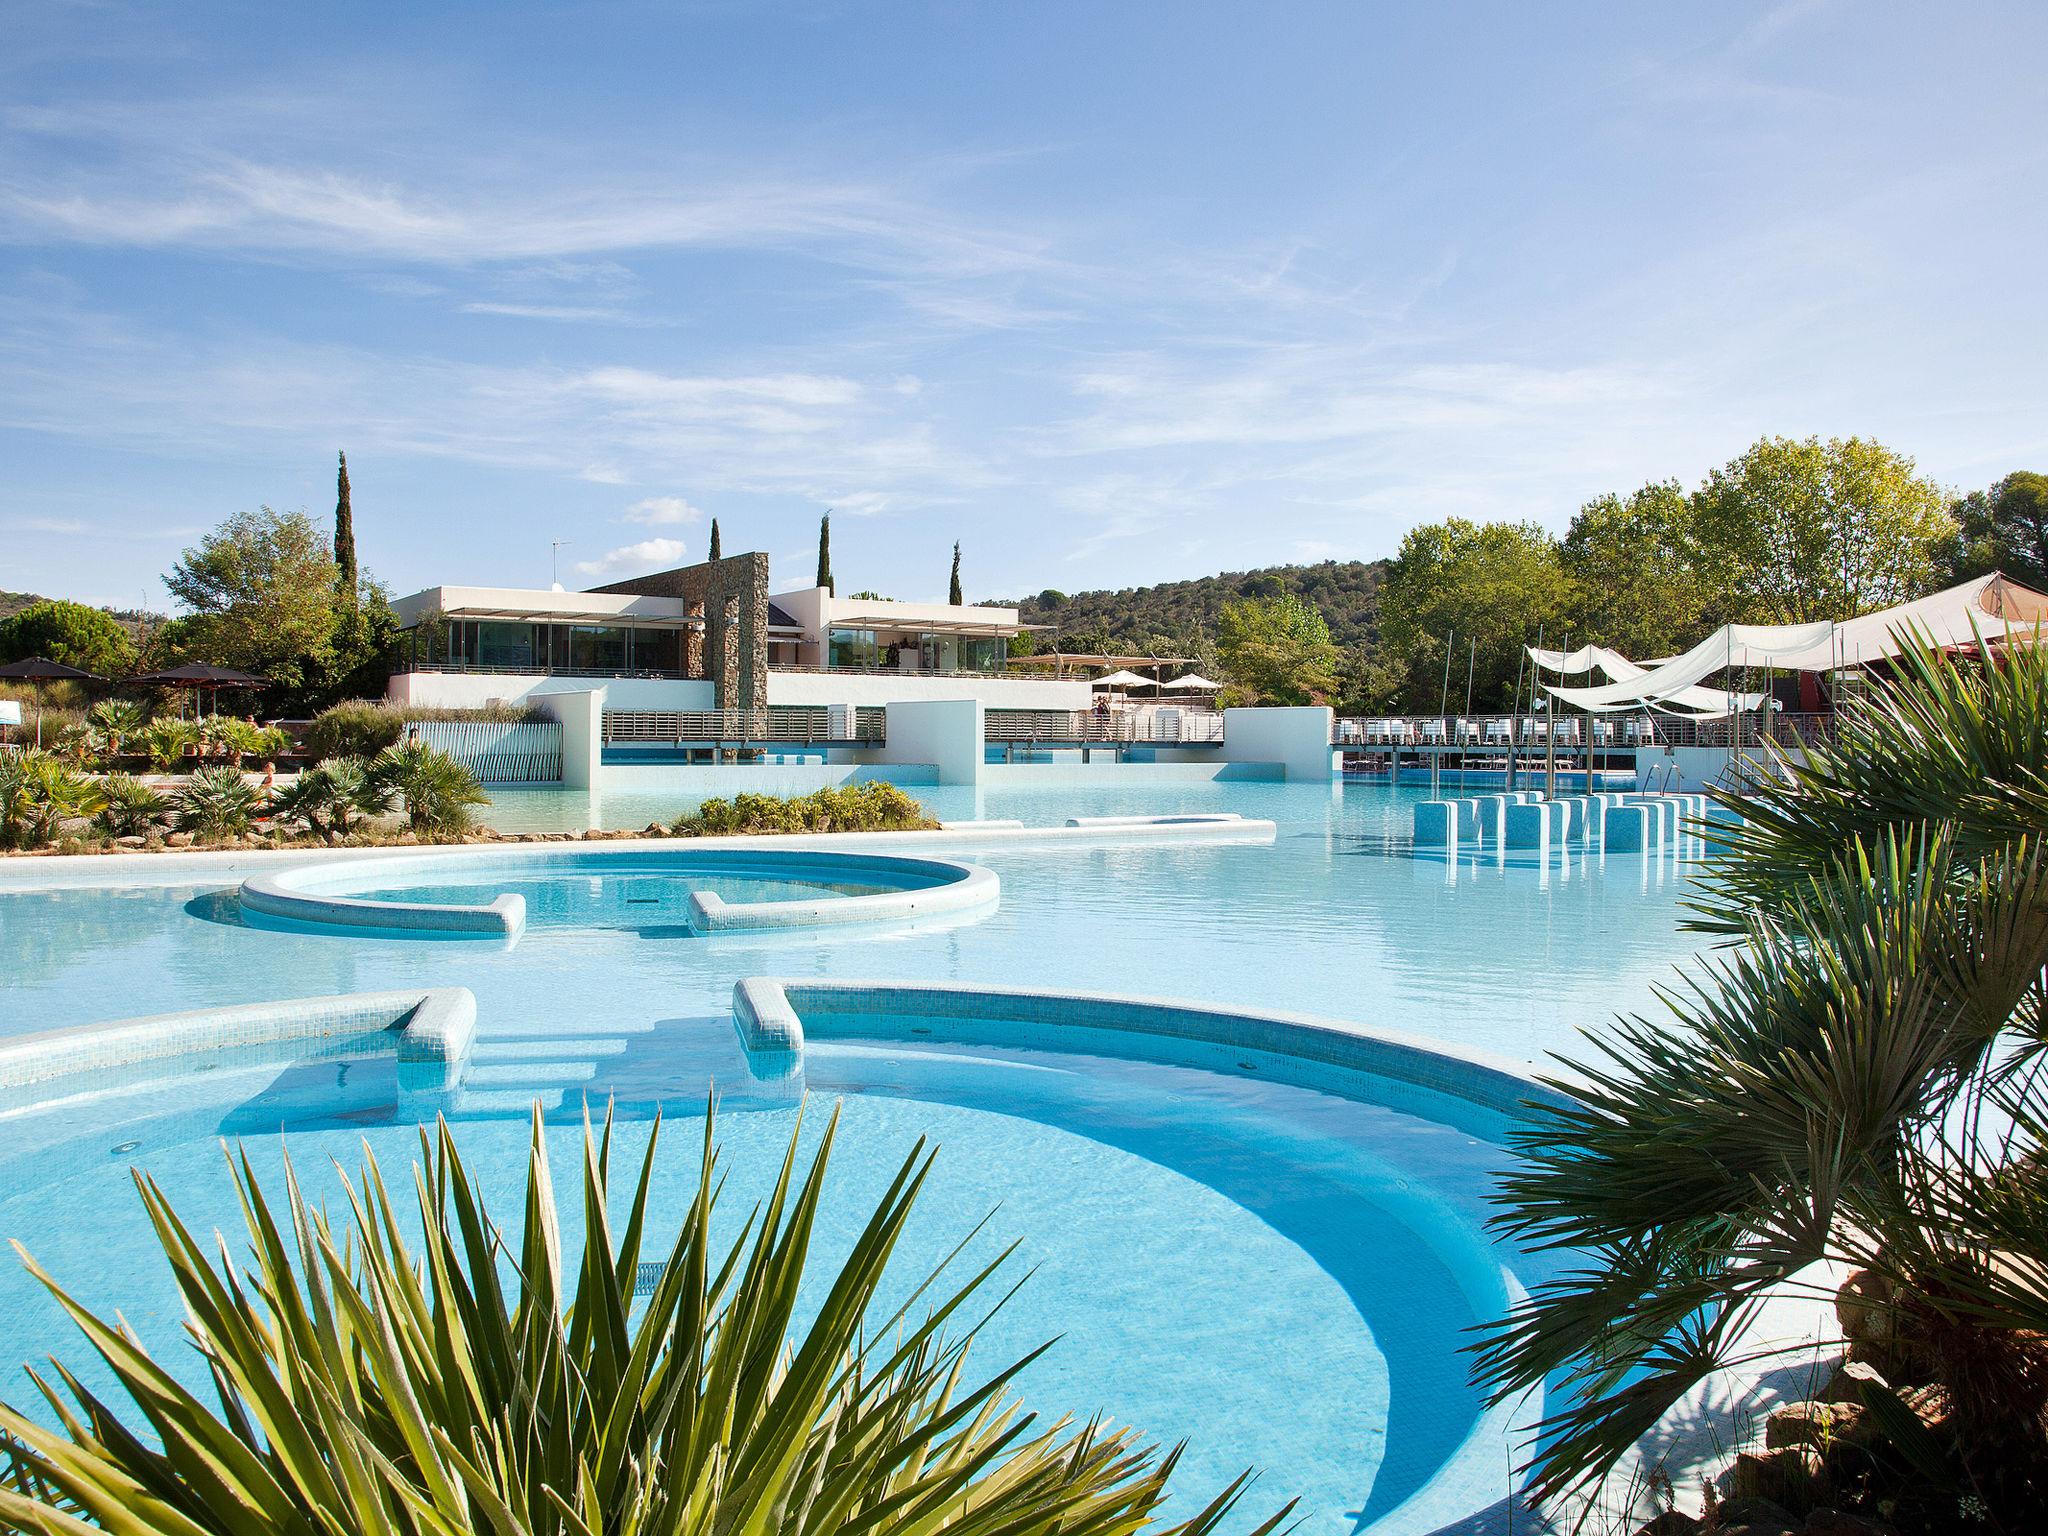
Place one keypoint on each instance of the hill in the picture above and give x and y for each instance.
(1180, 616)
(132, 619)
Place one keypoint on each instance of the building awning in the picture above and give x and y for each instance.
(895, 621)
(1093, 659)
(571, 616)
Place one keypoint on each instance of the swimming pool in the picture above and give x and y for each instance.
(1206, 1236)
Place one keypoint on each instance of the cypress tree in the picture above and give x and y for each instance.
(712, 553)
(825, 553)
(953, 589)
(345, 573)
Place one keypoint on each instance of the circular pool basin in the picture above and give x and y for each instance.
(1257, 1240)
(666, 891)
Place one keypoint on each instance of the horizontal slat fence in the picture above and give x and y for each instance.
(499, 752)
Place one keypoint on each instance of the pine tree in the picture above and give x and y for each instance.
(712, 553)
(825, 552)
(346, 577)
(953, 589)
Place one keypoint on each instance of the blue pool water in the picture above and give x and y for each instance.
(1277, 1274)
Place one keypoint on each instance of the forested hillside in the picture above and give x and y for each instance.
(1180, 616)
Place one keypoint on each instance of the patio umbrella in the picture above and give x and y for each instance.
(1192, 682)
(39, 670)
(197, 678)
(1122, 680)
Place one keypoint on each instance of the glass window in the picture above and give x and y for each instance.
(509, 646)
(938, 653)
(657, 650)
(597, 648)
(983, 653)
(854, 648)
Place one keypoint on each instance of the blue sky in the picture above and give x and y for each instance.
(1112, 292)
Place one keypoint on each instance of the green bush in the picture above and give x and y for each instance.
(355, 729)
(873, 807)
(218, 803)
(164, 741)
(38, 793)
(129, 807)
(118, 720)
(326, 799)
(436, 792)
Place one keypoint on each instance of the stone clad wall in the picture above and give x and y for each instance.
(732, 595)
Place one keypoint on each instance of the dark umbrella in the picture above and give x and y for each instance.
(196, 677)
(40, 670)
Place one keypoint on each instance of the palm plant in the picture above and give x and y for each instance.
(436, 792)
(326, 799)
(118, 720)
(164, 741)
(129, 807)
(38, 794)
(368, 1389)
(1854, 1079)
(218, 802)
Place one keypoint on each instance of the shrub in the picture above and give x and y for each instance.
(118, 720)
(326, 798)
(873, 807)
(38, 793)
(358, 728)
(129, 807)
(436, 792)
(164, 741)
(218, 803)
(469, 1380)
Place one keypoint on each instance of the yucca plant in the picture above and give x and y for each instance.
(1855, 1079)
(128, 807)
(328, 799)
(478, 1385)
(217, 802)
(437, 793)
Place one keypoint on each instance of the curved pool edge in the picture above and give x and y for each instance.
(768, 1013)
(277, 895)
(433, 1029)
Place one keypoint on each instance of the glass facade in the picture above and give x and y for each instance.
(854, 648)
(917, 651)
(498, 645)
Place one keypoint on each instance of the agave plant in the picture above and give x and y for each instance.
(218, 802)
(436, 792)
(327, 799)
(165, 739)
(129, 807)
(1854, 1079)
(477, 1385)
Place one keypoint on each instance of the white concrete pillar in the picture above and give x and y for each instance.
(582, 717)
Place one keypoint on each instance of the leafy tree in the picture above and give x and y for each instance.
(346, 577)
(2005, 529)
(78, 636)
(825, 552)
(1278, 651)
(712, 553)
(953, 587)
(1798, 531)
(261, 590)
(1483, 589)
(1637, 586)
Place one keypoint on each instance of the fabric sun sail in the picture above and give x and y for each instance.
(1986, 608)
(1705, 703)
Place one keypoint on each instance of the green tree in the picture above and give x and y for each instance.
(1637, 586)
(1483, 589)
(2005, 529)
(825, 552)
(78, 636)
(953, 587)
(712, 553)
(346, 576)
(1798, 531)
(261, 593)
(1278, 651)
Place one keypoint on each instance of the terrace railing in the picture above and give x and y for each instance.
(817, 725)
(1157, 727)
(1574, 733)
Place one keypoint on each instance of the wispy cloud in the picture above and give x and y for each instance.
(49, 525)
(662, 511)
(647, 555)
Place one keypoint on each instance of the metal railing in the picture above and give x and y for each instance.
(815, 725)
(499, 752)
(1155, 727)
(1572, 733)
(997, 673)
(542, 669)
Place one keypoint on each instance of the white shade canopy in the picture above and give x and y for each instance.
(1190, 682)
(1122, 680)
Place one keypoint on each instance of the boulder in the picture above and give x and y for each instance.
(178, 840)
(1673, 1522)
(131, 842)
(1849, 1381)
(1816, 1425)
(1753, 1515)
(1772, 1477)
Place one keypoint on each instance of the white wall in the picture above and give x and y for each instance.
(947, 733)
(469, 690)
(1298, 739)
(1699, 767)
(871, 688)
(582, 717)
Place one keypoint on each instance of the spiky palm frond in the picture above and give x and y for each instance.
(477, 1386)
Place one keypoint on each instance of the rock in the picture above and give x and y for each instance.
(1817, 1425)
(1673, 1522)
(1752, 1515)
(1839, 1522)
(1866, 1307)
(1849, 1381)
(178, 840)
(656, 829)
(131, 842)
(1771, 1476)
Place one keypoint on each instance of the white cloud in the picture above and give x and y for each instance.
(56, 525)
(662, 512)
(633, 559)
